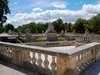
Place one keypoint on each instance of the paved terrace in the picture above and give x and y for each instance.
(10, 69)
(4, 70)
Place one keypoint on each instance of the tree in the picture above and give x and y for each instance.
(89, 26)
(58, 25)
(1, 29)
(68, 27)
(8, 27)
(4, 10)
(94, 22)
(39, 27)
(79, 26)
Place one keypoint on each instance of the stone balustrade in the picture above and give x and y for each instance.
(84, 39)
(51, 44)
(49, 61)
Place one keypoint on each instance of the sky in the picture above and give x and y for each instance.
(26, 11)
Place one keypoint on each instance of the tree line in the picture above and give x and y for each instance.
(80, 26)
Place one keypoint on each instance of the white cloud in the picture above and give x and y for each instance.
(43, 4)
(58, 4)
(86, 12)
(37, 9)
(92, 8)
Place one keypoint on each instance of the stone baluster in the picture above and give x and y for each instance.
(89, 54)
(33, 58)
(39, 61)
(4, 51)
(12, 54)
(79, 60)
(9, 55)
(93, 54)
(85, 56)
(82, 58)
(8, 52)
(53, 64)
(46, 62)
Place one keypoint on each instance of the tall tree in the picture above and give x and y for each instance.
(58, 25)
(4, 10)
(8, 27)
(94, 22)
(79, 26)
(68, 27)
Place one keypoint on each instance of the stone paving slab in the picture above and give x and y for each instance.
(4, 70)
(10, 69)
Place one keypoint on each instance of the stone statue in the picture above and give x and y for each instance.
(29, 37)
(10, 32)
(51, 34)
(62, 33)
(86, 32)
(50, 27)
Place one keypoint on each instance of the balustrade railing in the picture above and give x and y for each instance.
(51, 44)
(48, 61)
(88, 38)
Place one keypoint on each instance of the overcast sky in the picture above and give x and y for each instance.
(26, 11)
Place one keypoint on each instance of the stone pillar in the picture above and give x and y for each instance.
(14, 56)
(65, 65)
(25, 55)
(17, 56)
